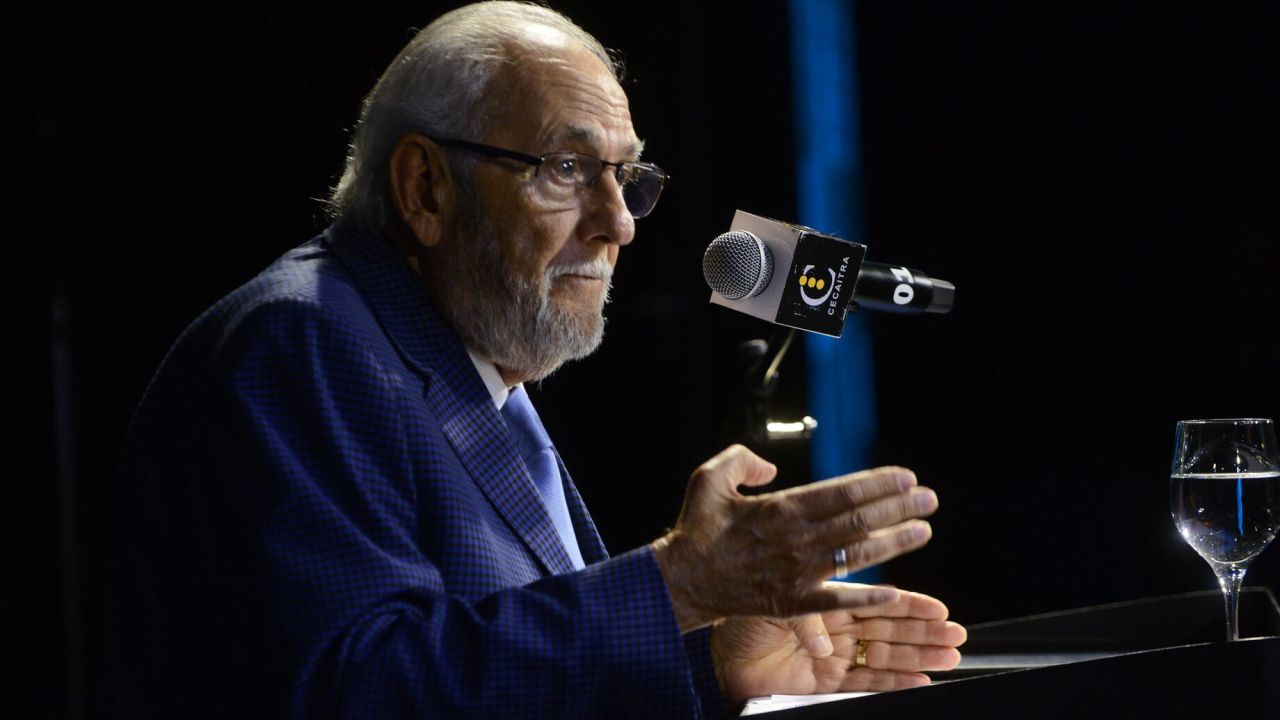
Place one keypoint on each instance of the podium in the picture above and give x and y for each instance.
(1158, 657)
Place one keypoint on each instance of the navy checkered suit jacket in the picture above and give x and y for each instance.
(321, 514)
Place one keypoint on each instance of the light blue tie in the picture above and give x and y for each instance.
(534, 445)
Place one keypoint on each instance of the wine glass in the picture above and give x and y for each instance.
(1225, 494)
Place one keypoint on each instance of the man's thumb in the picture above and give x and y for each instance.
(812, 633)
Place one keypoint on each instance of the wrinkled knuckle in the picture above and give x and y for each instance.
(700, 475)
(799, 551)
(774, 511)
(863, 554)
(905, 539)
(910, 505)
(860, 522)
(851, 494)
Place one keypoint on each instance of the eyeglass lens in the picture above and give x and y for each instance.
(640, 190)
(564, 174)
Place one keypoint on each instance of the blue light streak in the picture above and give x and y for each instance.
(1240, 505)
(829, 178)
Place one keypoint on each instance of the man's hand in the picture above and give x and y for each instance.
(767, 555)
(816, 653)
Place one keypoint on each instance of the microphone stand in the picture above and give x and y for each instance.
(759, 383)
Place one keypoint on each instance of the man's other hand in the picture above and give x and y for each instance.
(818, 653)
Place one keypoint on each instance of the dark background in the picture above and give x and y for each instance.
(1098, 180)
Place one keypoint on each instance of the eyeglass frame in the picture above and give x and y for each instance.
(537, 161)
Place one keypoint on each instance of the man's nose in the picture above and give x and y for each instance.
(609, 219)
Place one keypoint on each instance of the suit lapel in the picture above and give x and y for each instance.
(455, 391)
(589, 542)
(483, 443)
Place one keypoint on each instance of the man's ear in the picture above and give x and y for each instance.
(422, 187)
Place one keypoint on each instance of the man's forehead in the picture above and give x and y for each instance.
(569, 92)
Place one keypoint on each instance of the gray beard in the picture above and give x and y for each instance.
(506, 318)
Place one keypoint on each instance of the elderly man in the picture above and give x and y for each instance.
(337, 500)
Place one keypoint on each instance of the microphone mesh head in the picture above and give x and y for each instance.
(737, 264)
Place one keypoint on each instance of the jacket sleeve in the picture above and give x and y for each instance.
(310, 526)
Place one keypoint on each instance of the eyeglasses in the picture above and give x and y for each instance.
(568, 172)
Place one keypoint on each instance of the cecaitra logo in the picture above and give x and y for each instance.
(809, 281)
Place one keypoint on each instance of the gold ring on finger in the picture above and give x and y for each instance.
(860, 658)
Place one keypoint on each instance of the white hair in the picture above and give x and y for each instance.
(437, 86)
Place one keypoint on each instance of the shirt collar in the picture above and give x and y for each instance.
(498, 389)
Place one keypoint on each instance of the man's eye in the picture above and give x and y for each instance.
(565, 169)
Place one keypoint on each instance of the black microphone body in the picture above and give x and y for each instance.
(893, 288)
(795, 276)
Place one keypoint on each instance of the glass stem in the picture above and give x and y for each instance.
(1230, 578)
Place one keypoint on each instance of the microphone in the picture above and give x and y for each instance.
(824, 277)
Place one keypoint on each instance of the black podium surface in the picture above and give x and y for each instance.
(1158, 657)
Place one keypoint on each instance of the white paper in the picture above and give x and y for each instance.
(761, 705)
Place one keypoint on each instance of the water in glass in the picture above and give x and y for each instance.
(1225, 496)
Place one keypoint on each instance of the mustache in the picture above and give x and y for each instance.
(598, 268)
